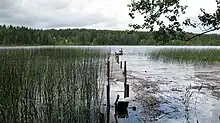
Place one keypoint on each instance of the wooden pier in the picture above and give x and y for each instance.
(117, 101)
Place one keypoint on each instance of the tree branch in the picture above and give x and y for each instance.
(202, 33)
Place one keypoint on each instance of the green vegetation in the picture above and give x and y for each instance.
(50, 85)
(10, 35)
(187, 55)
(164, 19)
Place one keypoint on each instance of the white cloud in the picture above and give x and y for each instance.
(100, 14)
(193, 10)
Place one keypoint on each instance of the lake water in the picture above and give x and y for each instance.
(185, 93)
(170, 92)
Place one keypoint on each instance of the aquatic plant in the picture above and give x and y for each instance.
(50, 85)
(186, 55)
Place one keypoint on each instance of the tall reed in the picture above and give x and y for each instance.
(187, 55)
(50, 85)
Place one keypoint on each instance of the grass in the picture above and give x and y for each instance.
(50, 85)
(187, 55)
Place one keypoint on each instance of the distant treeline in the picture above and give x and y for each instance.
(11, 35)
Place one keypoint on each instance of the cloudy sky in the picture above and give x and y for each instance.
(98, 14)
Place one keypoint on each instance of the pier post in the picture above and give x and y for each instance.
(120, 64)
(108, 86)
(127, 90)
(125, 83)
(108, 115)
(117, 58)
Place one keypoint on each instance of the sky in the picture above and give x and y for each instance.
(96, 14)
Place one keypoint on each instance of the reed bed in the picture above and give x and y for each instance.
(51, 85)
(187, 55)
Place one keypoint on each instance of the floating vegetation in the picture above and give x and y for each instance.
(50, 85)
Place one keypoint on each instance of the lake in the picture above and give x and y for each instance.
(186, 92)
(169, 92)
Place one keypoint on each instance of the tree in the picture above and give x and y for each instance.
(154, 12)
(26, 36)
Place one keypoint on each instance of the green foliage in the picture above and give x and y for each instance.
(152, 11)
(22, 35)
(176, 42)
(10, 35)
(156, 12)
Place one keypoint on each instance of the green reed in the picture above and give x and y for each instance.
(50, 85)
(187, 55)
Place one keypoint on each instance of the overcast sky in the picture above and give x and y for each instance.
(98, 14)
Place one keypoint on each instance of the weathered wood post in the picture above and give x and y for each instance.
(127, 90)
(125, 83)
(116, 55)
(108, 115)
(108, 86)
(120, 64)
(117, 58)
(126, 86)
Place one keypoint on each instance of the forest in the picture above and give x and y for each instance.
(19, 35)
